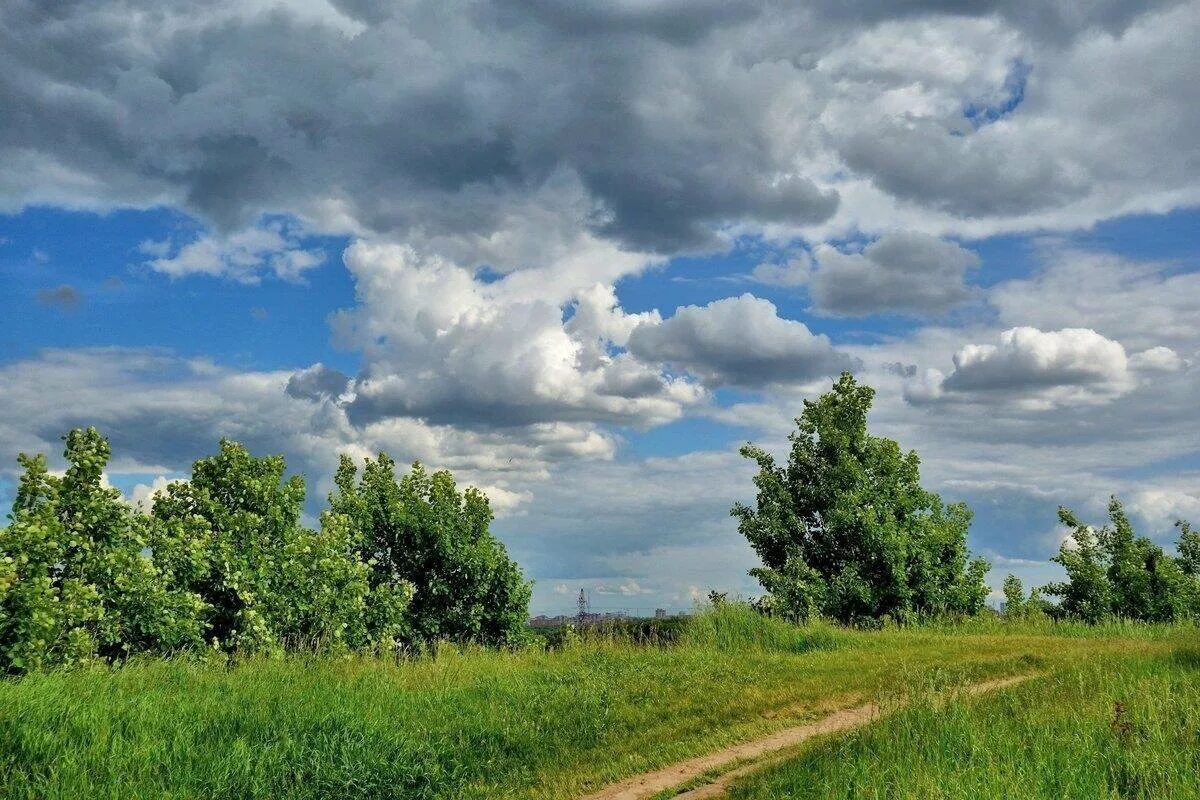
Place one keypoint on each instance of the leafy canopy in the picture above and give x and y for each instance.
(1112, 572)
(844, 528)
(421, 530)
(224, 563)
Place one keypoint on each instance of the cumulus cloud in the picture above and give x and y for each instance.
(738, 341)
(1043, 368)
(161, 412)
(442, 345)
(317, 382)
(1157, 359)
(1142, 303)
(247, 255)
(668, 124)
(900, 272)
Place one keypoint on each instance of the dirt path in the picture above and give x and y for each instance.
(757, 753)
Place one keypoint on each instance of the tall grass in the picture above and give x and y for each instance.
(738, 627)
(1110, 728)
(468, 724)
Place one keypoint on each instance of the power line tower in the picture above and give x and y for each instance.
(583, 609)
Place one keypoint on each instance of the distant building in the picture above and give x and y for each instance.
(660, 613)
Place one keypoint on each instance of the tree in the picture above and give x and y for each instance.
(845, 528)
(76, 582)
(1112, 572)
(1014, 597)
(232, 535)
(421, 530)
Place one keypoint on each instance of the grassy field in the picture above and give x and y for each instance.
(534, 724)
(1110, 727)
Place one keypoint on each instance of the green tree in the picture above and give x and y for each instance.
(232, 535)
(1112, 572)
(845, 528)
(76, 579)
(1014, 597)
(422, 531)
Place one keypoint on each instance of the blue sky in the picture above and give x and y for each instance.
(325, 227)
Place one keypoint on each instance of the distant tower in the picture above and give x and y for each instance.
(583, 608)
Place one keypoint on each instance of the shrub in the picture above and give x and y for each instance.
(1111, 572)
(76, 582)
(421, 530)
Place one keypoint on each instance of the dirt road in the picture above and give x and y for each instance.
(754, 755)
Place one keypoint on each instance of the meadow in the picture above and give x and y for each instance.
(1111, 727)
(476, 723)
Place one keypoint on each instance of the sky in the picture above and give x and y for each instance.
(578, 252)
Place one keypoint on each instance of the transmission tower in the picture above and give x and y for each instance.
(583, 608)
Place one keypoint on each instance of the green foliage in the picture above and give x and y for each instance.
(845, 529)
(75, 582)
(223, 561)
(422, 531)
(233, 536)
(1111, 572)
(1014, 597)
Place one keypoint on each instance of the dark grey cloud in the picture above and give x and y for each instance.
(739, 341)
(317, 382)
(654, 124)
(65, 297)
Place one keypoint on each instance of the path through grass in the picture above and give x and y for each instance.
(1107, 727)
(469, 725)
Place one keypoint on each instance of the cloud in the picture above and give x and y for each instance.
(793, 272)
(1157, 359)
(1142, 303)
(143, 495)
(317, 382)
(442, 345)
(64, 297)
(161, 412)
(270, 248)
(738, 341)
(669, 126)
(1043, 368)
(901, 272)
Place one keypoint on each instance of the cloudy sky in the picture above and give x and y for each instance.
(577, 251)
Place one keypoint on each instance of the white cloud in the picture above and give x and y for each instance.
(270, 248)
(442, 345)
(1143, 304)
(738, 341)
(143, 495)
(1157, 359)
(1038, 368)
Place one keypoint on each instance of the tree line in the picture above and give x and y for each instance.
(223, 563)
(844, 530)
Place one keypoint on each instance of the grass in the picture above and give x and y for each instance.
(1110, 727)
(477, 724)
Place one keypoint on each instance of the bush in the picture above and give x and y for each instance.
(1111, 572)
(223, 562)
(76, 583)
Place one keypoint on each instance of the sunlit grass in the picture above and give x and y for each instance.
(1125, 727)
(473, 724)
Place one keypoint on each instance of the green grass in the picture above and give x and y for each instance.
(475, 724)
(1109, 727)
